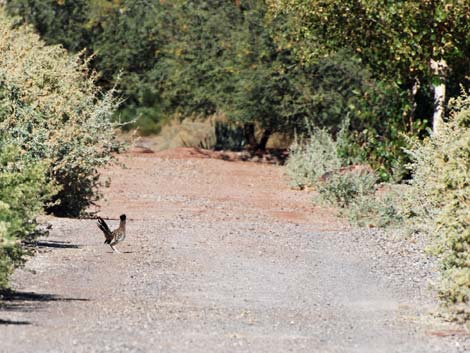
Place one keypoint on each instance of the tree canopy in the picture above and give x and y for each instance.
(277, 64)
(398, 39)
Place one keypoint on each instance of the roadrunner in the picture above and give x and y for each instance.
(116, 236)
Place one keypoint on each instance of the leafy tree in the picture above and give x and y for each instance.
(409, 42)
(194, 61)
(199, 57)
(129, 51)
(59, 21)
(271, 88)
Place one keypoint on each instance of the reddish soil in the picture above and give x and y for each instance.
(238, 188)
(221, 256)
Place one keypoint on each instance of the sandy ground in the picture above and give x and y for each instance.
(221, 256)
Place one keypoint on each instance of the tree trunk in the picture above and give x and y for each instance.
(414, 106)
(439, 84)
(264, 140)
(249, 130)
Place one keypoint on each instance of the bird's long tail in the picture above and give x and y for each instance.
(105, 229)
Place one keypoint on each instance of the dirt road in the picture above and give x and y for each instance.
(221, 256)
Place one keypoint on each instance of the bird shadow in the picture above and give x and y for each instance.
(11, 300)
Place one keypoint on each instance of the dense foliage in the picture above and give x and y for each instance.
(23, 190)
(199, 57)
(419, 47)
(438, 202)
(397, 39)
(55, 134)
(399, 36)
(51, 108)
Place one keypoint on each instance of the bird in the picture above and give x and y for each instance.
(116, 236)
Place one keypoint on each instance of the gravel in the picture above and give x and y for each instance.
(223, 257)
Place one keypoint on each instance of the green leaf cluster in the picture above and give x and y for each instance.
(396, 38)
(440, 202)
(51, 108)
(24, 188)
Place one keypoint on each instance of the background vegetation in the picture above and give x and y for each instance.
(279, 65)
(221, 56)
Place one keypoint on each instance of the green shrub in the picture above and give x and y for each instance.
(436, 202)
(320, 163)
(344, 188)
(56, 133)
(311, 159)
(52, 109)
(23, 191)
(335, 171)
(377, 208)
(439, 202)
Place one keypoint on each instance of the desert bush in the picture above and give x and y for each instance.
(342, 180)
(51, 108)
(310, 159)
(319, 163)
(23, 190)
(440, 202)
(436, 201)
(343, 189)
(378, 208)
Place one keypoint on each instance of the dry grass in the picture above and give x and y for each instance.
(200, 132)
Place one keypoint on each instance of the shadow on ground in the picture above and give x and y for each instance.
(28, 301)
(55, 244)
(14, 322)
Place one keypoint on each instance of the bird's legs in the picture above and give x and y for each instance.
(114, 249)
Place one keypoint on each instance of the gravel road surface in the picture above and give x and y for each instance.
(221, 256)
